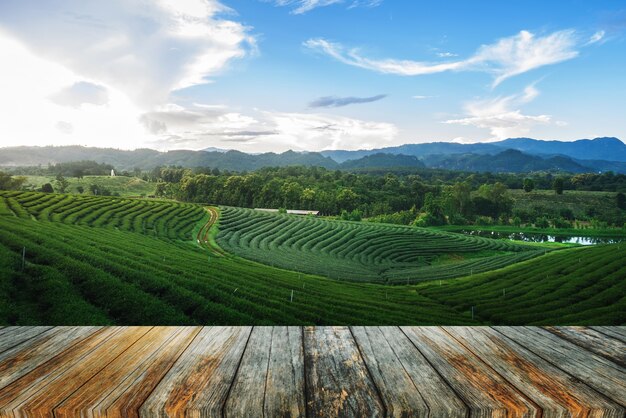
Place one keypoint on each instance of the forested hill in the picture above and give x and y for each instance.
(606, 149)
(509, 161)
(448, 156)
(146, 159)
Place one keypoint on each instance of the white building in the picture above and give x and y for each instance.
(292, 211)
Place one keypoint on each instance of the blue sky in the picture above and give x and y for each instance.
(309, 74)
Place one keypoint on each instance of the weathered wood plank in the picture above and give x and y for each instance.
(615, 332)
(603, 375)
(52, 369)
(408, 385)
(21, 359)
(592, 340)
(198, 383)
(271, 375)
(13, 336)
(127, 398)
(337, 380)
(284, 390)
(87, 401)
(248, 390)
(38, 392)
(484, 391)
(555, 392)
(363, 371)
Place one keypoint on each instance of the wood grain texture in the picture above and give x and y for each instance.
(611, 348)
(87, 400)
(615, 332)
(337, 380)
(128, 397)
(408, 384)
(485, 392)
(14, 336)
(38, 392)
(399, 394)
(247, 394)
(22, 358)
(323, 371)
(198, 383)
(284, 389)
(50, 371)
(603, 375)
(557, 393)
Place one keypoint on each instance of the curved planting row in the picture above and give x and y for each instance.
(75, 274)
(585, 286)
(361, 251)
(162, 219)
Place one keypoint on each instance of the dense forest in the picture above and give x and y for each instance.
(436, 198)
(407, 195)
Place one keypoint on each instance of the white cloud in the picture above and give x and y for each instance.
(502, 116)
(420, 97)
(146, 49)
(81, 93)
(319, 131)
(505, 58)
(86, 73)
(30, 117)
(65, 127)
(202, 126)
(599, 36)
(304, 6)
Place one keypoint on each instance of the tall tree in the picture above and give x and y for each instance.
(558, 185)
(61, 183)
(529, 185)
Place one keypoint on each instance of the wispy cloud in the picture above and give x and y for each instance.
(419, 97)
(334, 101)
(502, 115)
(505, 58)
(201, 126)
(319, 131)
(598, 36)
(81, 93)
(146, 49)
(304, 6)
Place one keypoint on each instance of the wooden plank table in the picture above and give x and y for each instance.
(312, 371)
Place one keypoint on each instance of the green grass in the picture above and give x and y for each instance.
(581, 286)
(80, 274)
(365, 252)
(170, 220)
(579, 202)
(124, 186)
(97, 260)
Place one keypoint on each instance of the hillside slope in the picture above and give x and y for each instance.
(129, 262)
(361, 251)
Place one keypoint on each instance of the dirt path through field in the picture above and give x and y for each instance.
(204, 239)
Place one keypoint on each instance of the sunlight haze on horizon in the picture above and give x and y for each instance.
(308, 75)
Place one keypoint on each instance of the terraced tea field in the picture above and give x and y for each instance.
(162, 219)
(97, 260)
(573, 286)
(105, 266)
(342, 250)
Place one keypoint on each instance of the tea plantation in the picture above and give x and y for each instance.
(101, 260)
(362, 251)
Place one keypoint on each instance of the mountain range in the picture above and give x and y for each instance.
(606, 149)
(510, 155)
